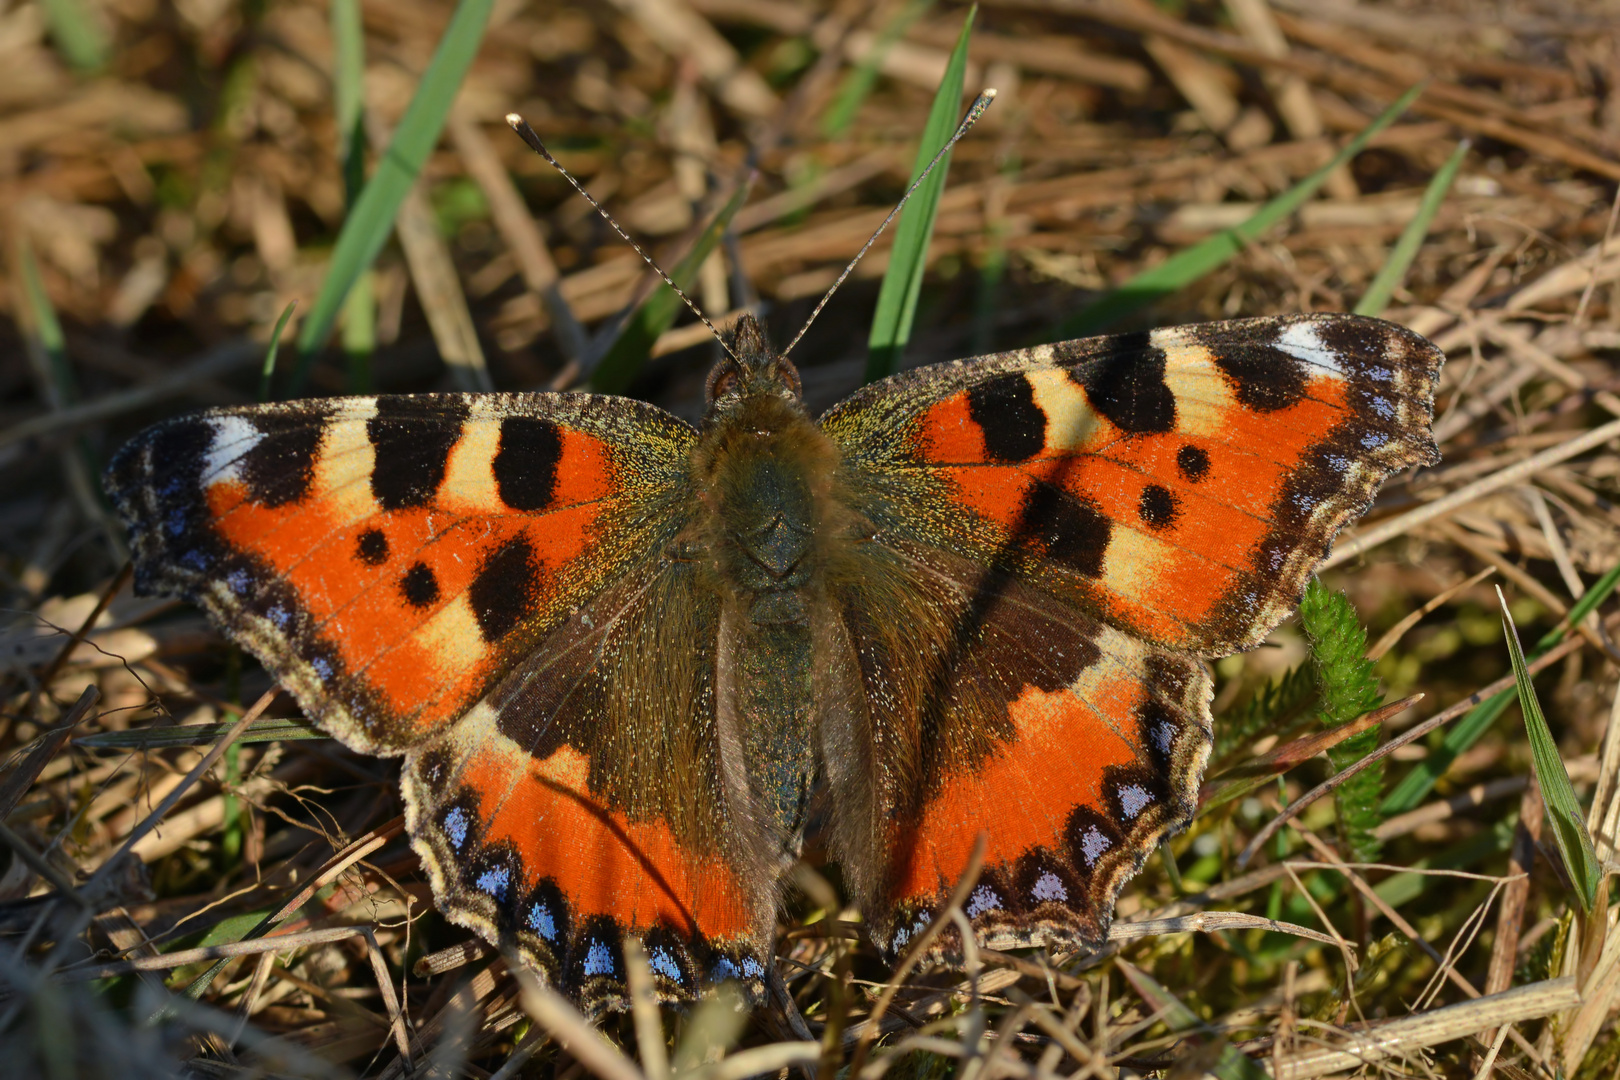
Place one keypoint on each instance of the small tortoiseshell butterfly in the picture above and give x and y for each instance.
(627, 662)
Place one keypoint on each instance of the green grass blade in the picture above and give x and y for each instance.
(1393, 272)
(367, 227)
(1229, 1064)
(1563, 809)
(163, 738)
(77, 32)
(902, 281)
(857, 85)
(348, 104)
(359, 327)
(45, 346)
(621, 364)
(267, 374)
(1416, 785)
(1190, 264)
(44, 327)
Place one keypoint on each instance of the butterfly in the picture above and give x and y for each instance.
(628, 663)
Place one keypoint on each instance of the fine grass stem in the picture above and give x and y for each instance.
(630, 349)
(267, 373)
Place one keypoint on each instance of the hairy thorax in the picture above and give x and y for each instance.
(768, 507)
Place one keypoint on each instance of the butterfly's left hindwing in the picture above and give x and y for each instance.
(581, 800)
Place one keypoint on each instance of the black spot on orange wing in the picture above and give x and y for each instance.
(1264, 378)
(526, 464)
(278, 469)
(1014, 426)
(1068, 530)
(419, 587)
(413, 438)
(506, 589)
(372, 547)
(1157, 507)
(1127, 385)
(1193, 463)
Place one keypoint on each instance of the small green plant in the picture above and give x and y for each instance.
(1347, 689)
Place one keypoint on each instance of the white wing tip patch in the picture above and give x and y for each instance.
(1300, 340)
(234, 438)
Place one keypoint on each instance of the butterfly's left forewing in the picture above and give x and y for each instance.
(1057, 537)
(390, 558)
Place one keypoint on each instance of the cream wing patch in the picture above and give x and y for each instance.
(1204, 397)
(343, 468)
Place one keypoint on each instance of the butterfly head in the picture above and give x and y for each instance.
(753, 372)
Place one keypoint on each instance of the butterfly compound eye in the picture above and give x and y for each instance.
(722, 380)
(789, 374)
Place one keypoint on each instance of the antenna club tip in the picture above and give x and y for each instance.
(513, 119)
(989, 92)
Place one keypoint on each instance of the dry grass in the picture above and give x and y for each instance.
(177, 199)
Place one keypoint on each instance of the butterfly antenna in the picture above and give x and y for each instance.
(526, 133)
(976, 110)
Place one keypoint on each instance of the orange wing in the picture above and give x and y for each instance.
(390, 558)
(475, 581)
(1180, 484)
(1057, 537)
(989, 706)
